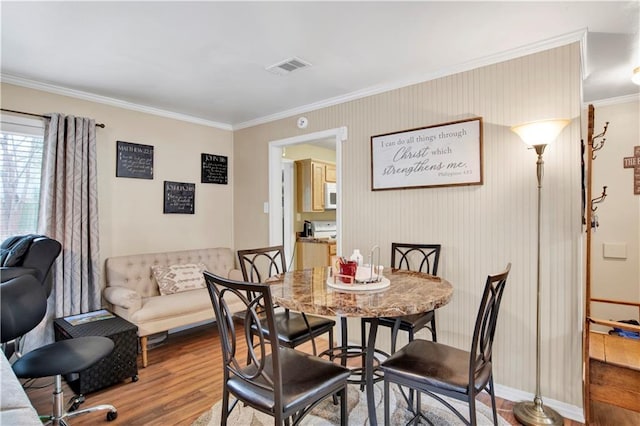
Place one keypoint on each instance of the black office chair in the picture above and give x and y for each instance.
(29, 254)
(436, 369)
(293, 328)
(411, 257)
(23, 303)
(276, 380)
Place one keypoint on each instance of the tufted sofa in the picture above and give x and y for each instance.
(133, 293)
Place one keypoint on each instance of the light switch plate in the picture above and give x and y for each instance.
(265, 207)
(614, 250)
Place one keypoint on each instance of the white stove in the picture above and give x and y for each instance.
(323, 228)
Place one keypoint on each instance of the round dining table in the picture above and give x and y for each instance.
(313, 291)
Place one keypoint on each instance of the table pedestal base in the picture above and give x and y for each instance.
(367, 372)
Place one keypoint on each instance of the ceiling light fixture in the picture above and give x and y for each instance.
(636, 76)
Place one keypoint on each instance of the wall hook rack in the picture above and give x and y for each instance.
(599, 199)
(597, 146)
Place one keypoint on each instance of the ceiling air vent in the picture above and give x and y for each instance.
(287, 66)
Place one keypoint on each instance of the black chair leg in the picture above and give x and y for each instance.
(344, 420)
(225, 407)
(434, 333)
(345, 340)
(493, 401)
(472, 410)
(331, 340)
(418, 406)
(411, 392)
(363, 345)
(394, 335)
(387, 414)
(330, 351)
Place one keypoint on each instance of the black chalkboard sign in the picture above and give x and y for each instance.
(134, 160)
(179, 197)
(214, 169)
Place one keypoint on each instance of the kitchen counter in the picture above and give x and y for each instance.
(316, 240)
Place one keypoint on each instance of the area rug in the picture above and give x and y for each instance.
(327, 414)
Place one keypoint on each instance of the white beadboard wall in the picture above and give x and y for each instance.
(618, 215)
(481, 228)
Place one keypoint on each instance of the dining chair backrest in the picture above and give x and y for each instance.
(486, 321)
(259, 264)
(416, 257)
(259, 369)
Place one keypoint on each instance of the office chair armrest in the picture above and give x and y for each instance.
(10, 272)
(123, 297)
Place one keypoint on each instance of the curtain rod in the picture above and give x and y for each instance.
(101, 125)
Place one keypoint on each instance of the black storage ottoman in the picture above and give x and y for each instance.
(119, 365)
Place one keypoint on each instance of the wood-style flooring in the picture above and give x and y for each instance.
(183, 379)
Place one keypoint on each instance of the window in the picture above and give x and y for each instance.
(21, 149)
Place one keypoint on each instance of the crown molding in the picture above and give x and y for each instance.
(562, 40)
(58, 90)
(614, 101)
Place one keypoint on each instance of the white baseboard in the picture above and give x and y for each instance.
(565, 410)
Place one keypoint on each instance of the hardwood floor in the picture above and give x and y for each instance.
(182, 381)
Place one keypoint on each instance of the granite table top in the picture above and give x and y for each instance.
(409, 293)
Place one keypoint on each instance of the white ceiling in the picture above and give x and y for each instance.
(205, 61)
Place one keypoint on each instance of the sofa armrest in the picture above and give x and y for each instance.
(15, 407)
(236, 275)
(123, 297)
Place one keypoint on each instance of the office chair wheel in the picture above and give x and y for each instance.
(112, 415)
(134, 378)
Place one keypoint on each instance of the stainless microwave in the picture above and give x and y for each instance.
(330, 196)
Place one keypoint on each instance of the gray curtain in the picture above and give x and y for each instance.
(69, 214)
(69, 211)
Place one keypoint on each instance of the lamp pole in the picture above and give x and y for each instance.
(535, 413)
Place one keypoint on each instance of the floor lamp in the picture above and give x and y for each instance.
(538, 135)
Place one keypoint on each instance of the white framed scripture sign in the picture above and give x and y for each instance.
(445, 154)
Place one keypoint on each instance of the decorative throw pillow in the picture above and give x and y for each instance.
(176, 278)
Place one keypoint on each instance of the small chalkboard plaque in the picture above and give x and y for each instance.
(134, 160)
(179, 197)
(214, 169)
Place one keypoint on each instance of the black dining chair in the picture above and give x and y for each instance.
(275, 380)
(293, 328)
(437, 369)
(411, 257)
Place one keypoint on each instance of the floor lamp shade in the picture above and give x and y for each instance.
(542, 132)
(636, 76)
(538, 134)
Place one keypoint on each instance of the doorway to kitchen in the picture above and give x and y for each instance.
(281, 195)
